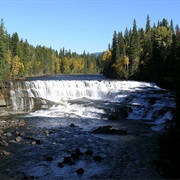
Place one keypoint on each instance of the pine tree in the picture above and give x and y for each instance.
(148, 25)
(114, 48)
(134, 50)
(3, 50)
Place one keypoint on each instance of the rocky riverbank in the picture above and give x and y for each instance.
(34, 151)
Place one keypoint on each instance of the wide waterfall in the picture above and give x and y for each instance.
(92, 98)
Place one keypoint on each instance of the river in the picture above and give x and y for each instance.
(61, 112)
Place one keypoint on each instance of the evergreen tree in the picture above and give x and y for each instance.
(114, 49)
(148, 25)
(15, 45)
(2, 50)
(134, 50)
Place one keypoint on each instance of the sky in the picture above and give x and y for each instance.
(81, 25)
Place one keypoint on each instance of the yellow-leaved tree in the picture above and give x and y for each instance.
(17, 67)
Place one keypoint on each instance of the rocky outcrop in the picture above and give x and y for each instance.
(109, 130)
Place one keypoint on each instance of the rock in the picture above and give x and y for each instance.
(1, 131)
(120, 112)
(29, 138)
(97, 158)
(38, 142)
(8, 134)
(4, 143)
(109, 130)
(72, 125)
(18, 139)
(33, 143)
(46, 132)
(49, 158)
(74, 156)
(89, 152)
(28, 177)
(66, 160)
(80, 171)
(60, 165)
(5, 153)
(78, 152)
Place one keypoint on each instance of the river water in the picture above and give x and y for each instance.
(62, 111)
(92, 96)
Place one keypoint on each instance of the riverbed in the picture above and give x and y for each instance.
(84, 127)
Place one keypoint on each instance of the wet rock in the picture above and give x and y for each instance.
(80, 171)
(109, 130)
(1, 131)
(18, 139)
(28, 177)
(38, 142)
(89, 152)
(29, 138)
(120, 112)
(78, 152)
(46, 132)
(60, 165)
(97, 158)
(74, 156)
(66, 160)
(72, 125)
(49, 158)
(4, 143)
(71, 163)
(8, 134)
(5, 153)
(33, 143)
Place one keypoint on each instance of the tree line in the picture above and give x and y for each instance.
(19, 59)
(150, 54)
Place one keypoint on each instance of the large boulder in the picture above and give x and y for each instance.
(109, 130)
(119, 112)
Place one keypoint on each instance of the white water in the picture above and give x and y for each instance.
(91, 99)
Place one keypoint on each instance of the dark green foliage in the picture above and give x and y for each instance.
(154, 55)
(19, 59)
(148, 55)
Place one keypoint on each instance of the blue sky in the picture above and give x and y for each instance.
(81, 24)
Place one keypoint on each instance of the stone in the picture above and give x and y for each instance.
(8, 134)
(109, 130)
(46, 132)
(60, 165)
(97, 158)
(5, 153)
(74, 156)
(49, 158)
(66, 160)
(38, 142)
(1, 131)
(18, 139)
(72, 125)
(33, 143)
(78, 152)
(4, 143)
(89, 152)
(28, 177)
(80, 171)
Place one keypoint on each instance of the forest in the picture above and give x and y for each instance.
(19, 59)
(145, 54)
(151, 54)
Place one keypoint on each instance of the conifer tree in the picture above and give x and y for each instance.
(134, 50)
(148, 25)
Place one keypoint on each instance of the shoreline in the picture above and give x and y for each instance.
(128, 156)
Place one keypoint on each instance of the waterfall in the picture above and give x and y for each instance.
(146, 100)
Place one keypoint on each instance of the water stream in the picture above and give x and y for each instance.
(69, 108)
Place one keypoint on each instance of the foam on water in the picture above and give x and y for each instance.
(91, 98)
